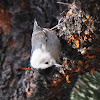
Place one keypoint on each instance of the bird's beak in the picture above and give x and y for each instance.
(58, 65)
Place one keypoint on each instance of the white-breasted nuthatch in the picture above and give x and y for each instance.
(46, 48)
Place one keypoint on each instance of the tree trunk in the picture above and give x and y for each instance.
(78, 31)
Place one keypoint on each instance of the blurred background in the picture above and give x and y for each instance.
(87, 87)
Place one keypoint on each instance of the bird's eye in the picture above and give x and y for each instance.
(46, 62)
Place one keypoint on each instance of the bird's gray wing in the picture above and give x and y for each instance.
(38, 40)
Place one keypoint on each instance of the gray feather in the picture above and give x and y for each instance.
(36, 27)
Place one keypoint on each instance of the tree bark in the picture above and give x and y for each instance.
(78, 31)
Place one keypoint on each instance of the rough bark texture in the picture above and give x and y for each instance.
(78, 31)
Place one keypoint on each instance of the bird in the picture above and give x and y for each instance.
(45, 48)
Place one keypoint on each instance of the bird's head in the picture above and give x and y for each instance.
(42, 61)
